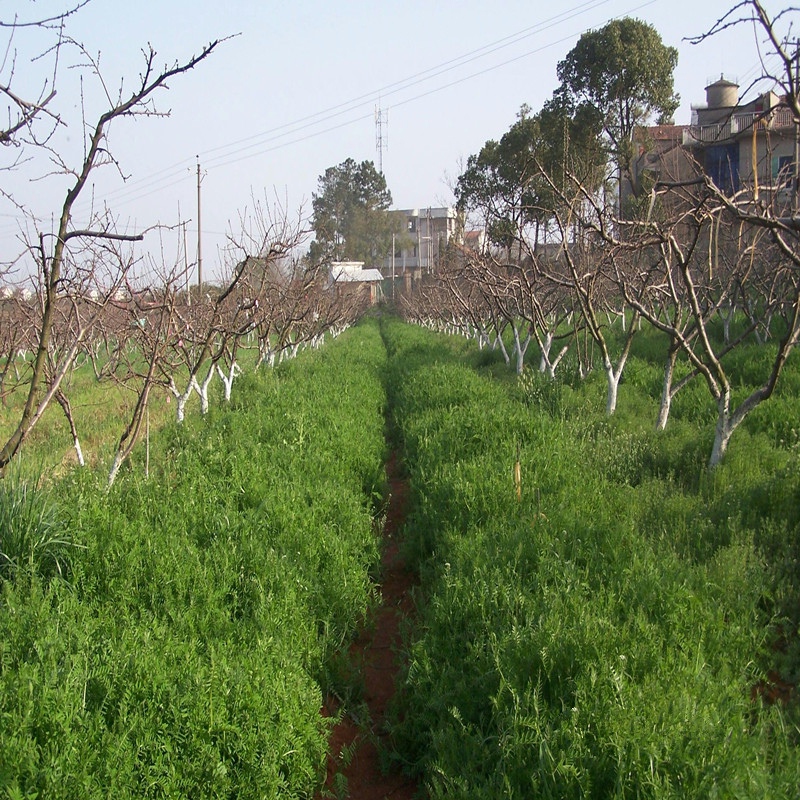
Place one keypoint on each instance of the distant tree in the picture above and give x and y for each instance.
(624, 72)
(501, 184)
(509, 182)
(573, 145)
(351, 220)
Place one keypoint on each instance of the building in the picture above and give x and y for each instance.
(426, 236)
(350, 277)
(420, 247)
(749, 146)
(661, 155)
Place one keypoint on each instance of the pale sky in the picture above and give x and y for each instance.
(296, 89)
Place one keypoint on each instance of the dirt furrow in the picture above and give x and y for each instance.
(355, 744)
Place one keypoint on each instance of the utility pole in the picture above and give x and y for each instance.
(430, 240)
(186, 268)
(199, 236)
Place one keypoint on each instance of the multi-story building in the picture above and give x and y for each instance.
(421, 245)
(661, 157)
(426, 236)
(749, 146)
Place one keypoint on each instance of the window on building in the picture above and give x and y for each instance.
(783, 170)
(722, 166)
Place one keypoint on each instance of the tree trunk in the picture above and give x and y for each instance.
(666, 390)
(498, 342)
(612, 377)
(544, 359)
(227, 379)
(723, 430)
(181, 398)
(520, 347)
(202, 389)
(63, 401)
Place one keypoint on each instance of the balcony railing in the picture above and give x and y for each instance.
(779, 119)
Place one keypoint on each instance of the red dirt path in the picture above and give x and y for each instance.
(375, 649)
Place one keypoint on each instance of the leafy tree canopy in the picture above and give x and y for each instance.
(513, 183)
(351, 219)
(624, 72)
(500, 182)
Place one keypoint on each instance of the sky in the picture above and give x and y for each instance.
(296, 87)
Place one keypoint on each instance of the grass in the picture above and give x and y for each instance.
(603, 636)
(188, 649)
(32, 536)
(608, 634)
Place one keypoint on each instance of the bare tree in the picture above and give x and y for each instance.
(762, 252)
(151, 314)
(24, 112)
(62, 258)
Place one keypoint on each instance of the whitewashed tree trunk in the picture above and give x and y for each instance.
(266, 354)
(498, 342)
(181, 398)
(613, 377)
(202, 389)
(227, 378)
(544, 358)
(63, 401)
(115, 466)
(76, 443)
(549, 367)
(723, 430)
(666, 391)
(520, 347)
(546, 364)
(726, 324)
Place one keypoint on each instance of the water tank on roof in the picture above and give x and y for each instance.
(722, 94)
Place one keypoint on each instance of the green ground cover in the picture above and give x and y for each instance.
(610, 634)
(607, 635)
(176, 636)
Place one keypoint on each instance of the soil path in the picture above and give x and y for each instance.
(375, 649)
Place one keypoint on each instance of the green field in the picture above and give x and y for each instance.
(185, 647)
(609, 634)
(618, 629)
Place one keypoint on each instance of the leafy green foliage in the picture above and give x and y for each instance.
(622, 72)
(187, 654)
(32, 537)
(510, 182)
(603, 635)
(351, 221)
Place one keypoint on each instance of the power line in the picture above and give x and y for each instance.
(308, 126)
(259, 149)
(256, 142)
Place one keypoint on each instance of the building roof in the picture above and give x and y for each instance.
(666, 133)
(444, 212)
(353, 272)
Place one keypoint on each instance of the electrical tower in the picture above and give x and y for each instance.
(381, 141)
